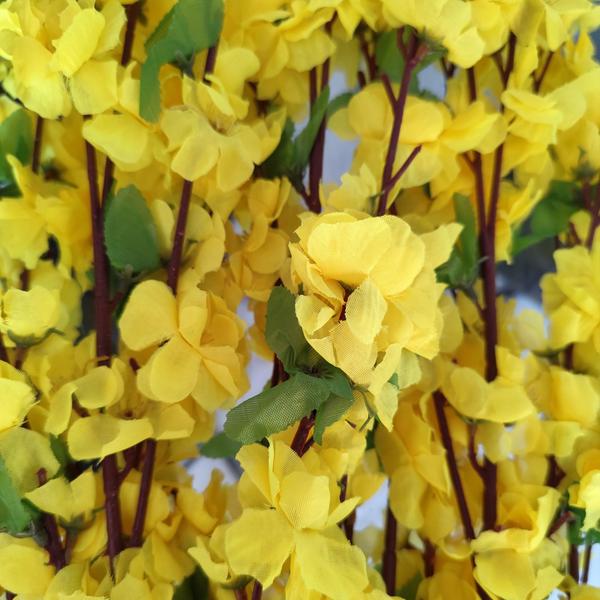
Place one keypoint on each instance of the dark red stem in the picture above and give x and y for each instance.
(133, 14)
(388, 570)
(102, 315)
(439, 402)
(53, 545)
(405, 165)
(37, 145)
(302, 433)
(179, 239)
(416, 52)
(257, 591)
(587, 560)
(173, 270)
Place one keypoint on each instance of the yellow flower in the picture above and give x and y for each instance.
(449, 22)
(357, 310)
(294, 502)
(201, 356)
(571, 296)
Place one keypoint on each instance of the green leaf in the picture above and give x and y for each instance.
(283, 332)
(338, 103)
(61, 452)
(331, 411)
(221, 446)
(130, 233)
(390, 61)
(549, 218)
(281, 162)
(194, 587)
(16, 139)
(291, 156)
(461, 269)
(409, 590)
(336, 379)
(276, 408)
(306, 139)
(188, 28)
(15, 515)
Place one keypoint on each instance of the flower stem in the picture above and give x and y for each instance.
(37, 145)
(439, 401)
(257, 591)
(53, 545)
(102, 315)
(173, 271)
(388, 571)
(133, 12)
(318, 152)
(414, 55)
(587, 561)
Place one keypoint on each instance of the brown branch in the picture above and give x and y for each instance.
(102, 319)
(37, 145)
(537, 81)
(439, 401)
(416, 53)
(133, 14)
(301, 437)
(388, 570)
(587, 560)
(595, 218)
(405, 165)
(257, 591)
(53, 544)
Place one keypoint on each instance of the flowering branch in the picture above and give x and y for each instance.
(415, 53)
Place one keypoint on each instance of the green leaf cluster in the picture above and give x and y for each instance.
(130, 233)
(194, 587)
(16, 139)
(390, 62)
(549, 218)
(313, 385)
(188, 28)
(16, 514)
(461, 269)
(292, 154)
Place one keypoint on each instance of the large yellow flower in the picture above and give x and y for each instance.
(368, 298)
(195, 340)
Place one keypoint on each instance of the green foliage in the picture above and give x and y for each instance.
(221, 446)
(276, 408)
(389, 60)
(291, 156)
(549, 218)
(194, 587)
(61, 452)
(461, 269)
(188, 28)
(409, 590)
(338, 103)
(16, 139)
(130, 233)
(314, 384)
(283, 332)
(331, 411)
(15, 514)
